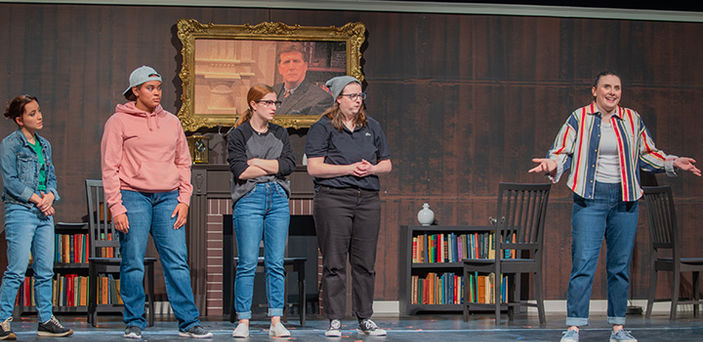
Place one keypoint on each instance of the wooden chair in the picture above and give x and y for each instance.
(290, 264)
(663, 235)
(519, 231)
(104, 257)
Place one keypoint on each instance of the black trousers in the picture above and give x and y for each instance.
(347, 223)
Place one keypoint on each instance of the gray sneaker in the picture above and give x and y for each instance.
(133, 332)
(241, 331)
(279, 330)
(368, 327)
(54, 328)
(622, 336)
(6, 331)
(335, 329)
(570, 336)
(196, 332)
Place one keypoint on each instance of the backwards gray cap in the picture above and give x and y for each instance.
(141, 75)
(337, 84)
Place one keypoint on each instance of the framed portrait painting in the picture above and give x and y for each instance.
(221, 63)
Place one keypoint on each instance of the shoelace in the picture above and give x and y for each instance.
(369, 325)
(6, 324)
(56, 322)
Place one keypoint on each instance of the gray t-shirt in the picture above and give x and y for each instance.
(244, 143)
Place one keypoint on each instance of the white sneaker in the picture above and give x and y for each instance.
(368, 327)
(241, 331)
(335, 329)
(278, 330)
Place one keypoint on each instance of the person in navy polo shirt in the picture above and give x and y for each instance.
(346, 151)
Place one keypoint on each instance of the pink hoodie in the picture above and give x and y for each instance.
(144, 152)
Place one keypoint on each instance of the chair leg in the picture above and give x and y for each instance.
(92, 294)
(285, 296)
(652, 291)
(233, 314)
(540, 298)
(301, 296)
(675, 293)
(695, 294)
(496, 295)
(150, 285)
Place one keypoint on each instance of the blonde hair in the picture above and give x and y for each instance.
(256, 93)
(337, 118)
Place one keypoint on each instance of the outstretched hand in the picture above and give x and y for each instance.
(546, 166)
(687, 164)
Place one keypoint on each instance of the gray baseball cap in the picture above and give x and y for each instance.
(337, 84)
(141, 75)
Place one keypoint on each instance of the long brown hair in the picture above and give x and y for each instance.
(337, 118)
(256, 93)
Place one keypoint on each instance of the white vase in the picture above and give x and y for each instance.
(425, 216)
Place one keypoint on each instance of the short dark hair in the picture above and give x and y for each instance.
(15, 108)
(604, 73)
(290, 47)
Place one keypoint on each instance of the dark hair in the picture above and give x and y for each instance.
(604, 73)
(290, 47)
(130, 94)
(256, 93)
(15, 108)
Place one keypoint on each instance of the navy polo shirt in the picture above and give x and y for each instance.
(346, 147)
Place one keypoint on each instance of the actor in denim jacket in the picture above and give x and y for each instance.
(29, 193)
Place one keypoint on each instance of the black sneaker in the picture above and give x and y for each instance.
(196, 332)
(6, 331)
(133, 332)
(368, 327)
(54, 328)
(335, 329)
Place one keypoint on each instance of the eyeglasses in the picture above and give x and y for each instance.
(269, 102)
(354, 97)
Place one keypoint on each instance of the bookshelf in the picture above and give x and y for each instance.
(70, 272)
(441, 264)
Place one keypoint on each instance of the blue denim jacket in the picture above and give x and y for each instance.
(20, 169)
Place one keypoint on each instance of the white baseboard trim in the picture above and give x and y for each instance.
(599, 306)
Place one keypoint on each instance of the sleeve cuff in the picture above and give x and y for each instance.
(669, 165)
(118, 209)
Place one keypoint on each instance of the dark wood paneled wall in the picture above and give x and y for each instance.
(466, 101)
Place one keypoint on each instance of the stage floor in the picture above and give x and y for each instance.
(422, 328)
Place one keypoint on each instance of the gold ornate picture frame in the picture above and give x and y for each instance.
(221, 62)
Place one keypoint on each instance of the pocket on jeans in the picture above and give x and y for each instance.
(249, 194)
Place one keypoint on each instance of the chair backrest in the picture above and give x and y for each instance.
(661, 216)
(103, 237)
(522, 209)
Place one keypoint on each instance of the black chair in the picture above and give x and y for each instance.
(290, 264)
(519, 230)
(663, 235)
(103, 258)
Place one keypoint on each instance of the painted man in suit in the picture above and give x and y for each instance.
(298, 96)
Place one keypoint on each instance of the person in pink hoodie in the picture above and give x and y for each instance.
(146, 177)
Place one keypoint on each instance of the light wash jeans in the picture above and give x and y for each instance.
(27, 229)
(262, 213)
(151, 213)
(606, 215)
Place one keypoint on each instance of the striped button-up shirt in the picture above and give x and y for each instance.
(576, 147)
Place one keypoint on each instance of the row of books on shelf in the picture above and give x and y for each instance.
(74, 248)
(451, 247)
(71, 248)
(72, 290)
(448, 288)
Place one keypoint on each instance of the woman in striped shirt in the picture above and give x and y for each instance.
(605, 146)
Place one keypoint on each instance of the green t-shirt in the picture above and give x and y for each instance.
(42, 170)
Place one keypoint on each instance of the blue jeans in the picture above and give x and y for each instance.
(592, 219)
(27, 229)
(151, 213)
(262, 213)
